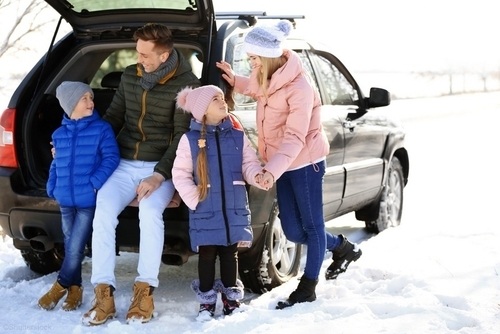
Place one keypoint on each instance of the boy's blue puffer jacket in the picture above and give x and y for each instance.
(86, 155)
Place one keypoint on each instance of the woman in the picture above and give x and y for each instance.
(294, 146)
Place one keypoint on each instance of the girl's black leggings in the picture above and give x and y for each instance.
(228, 258)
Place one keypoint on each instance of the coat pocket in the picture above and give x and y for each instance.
(202, 220)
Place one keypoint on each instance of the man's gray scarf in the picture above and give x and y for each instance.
(149, 80)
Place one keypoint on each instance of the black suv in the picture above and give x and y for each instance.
(367, 168)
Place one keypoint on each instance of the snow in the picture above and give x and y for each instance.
(436, 273)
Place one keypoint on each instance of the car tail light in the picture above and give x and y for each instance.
(7, 151)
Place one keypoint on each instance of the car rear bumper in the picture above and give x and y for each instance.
(25, 217)
(26, 224)
(4, 224)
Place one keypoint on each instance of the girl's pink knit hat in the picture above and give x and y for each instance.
(197, 100)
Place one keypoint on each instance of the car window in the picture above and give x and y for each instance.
(333, 86)
(241, 66)
(303, 55)
(94, 6)
(118, 60)
(194, 58)
(337, 90)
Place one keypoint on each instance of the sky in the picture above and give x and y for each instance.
(437, 273)
(376, 40)
(397, 35)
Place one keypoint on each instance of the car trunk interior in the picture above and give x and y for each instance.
(99, 66)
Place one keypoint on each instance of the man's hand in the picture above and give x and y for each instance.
(53, 150)
(149, 185)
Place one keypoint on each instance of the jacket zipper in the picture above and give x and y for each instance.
(139, 124)
(72, 167)
(223, 193)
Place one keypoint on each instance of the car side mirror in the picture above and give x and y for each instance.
(379, 97)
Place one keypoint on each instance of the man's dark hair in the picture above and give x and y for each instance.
(157, 33)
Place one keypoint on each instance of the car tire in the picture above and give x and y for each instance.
(391, 200)
(280, 258)
(44, 262)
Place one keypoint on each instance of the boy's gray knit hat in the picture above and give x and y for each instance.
(69, 93)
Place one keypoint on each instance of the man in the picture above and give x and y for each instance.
(148, 127)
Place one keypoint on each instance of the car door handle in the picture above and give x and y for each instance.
(348, 125)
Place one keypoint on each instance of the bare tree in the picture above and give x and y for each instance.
(27, 18)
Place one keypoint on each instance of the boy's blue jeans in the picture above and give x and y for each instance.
(300, 201)
(77, 228)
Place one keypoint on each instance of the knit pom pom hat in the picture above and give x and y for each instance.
(197, 100)
(69, 93)
(265, 41)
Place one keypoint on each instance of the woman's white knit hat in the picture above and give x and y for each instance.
(265, 41)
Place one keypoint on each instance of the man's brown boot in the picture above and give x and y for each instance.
(49, 300)
(104, 306)
(74, 298)
(142, 306)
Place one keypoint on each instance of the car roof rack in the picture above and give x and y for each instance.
(252, 17)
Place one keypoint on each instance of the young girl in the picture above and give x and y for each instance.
(294, 149)
(86, 155)
(213, 161)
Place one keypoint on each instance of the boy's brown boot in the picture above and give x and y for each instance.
(49, 300)
(104, 306)
(74, 298)
(142, 306)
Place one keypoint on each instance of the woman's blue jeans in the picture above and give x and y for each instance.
(77, 228)
(300, 202)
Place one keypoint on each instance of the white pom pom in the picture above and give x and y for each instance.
(182, 97)
(285, 27)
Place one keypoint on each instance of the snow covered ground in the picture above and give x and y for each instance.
(436, 273)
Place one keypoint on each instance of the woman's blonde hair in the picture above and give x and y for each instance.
(201, 162)
(269, 66)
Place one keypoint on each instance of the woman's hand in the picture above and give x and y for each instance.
(265, 179)
(228, 74)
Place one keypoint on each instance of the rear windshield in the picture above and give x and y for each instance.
(80, 6)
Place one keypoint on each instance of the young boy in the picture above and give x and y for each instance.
(86, 155)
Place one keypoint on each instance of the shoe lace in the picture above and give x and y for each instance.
(100, 296)
(72, 295)
(138, 297)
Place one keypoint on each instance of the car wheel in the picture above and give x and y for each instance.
(391, 200)
(44, 262)
(280, 258)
